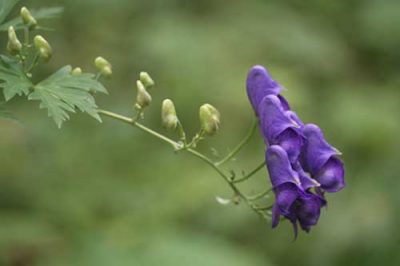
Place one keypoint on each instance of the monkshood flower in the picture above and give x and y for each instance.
(292, 200)
(301, 164)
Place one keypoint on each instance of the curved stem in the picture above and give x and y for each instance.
(178, 146)
(250, 174)
(241, 144)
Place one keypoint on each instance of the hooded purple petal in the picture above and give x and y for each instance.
(291, 141)
(260, 84)
(331, 176)
(273, 119)
(278, 128)
(279, 168)
(316, 150)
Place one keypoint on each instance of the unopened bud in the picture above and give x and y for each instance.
(76, 71)
(147, 81)
(209, 119)
(103, 66)
(43, 47)
(27, 18)
(168, 115)
(14, 46)
(143, 98)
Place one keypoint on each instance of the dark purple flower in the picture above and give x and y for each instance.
(279, 128)
(321, 160)
(291, 199)
(260, 84)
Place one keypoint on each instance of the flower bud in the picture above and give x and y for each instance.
(209, 119)
(76, 71)
(27, 18)
(43, 47)
(103, 66)
(143, 98)
(168, 115)
(14, 46)
(147, 81)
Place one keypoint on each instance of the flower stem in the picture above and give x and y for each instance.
(245, 140)
(258, 168)
(180, 146)
(130, 121)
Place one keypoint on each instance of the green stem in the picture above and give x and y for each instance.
(260, 195)
(34, 63)
(178, 146)
(241, 144)
(130, 121)
(258, 168)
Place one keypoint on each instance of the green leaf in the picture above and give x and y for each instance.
(5, 8)
(12, 78)
(62, 93)
(39, 14)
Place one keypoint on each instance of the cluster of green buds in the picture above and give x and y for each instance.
(143, 97)
(104, 67)
(14, 46)
(28, 19)
(209, 119)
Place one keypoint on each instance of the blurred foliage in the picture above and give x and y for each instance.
(107, 194)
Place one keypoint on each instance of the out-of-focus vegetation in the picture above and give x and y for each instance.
(107, 194)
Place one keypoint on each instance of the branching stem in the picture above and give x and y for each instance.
(241, 144)
(181, 146)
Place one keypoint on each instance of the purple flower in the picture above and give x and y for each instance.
(279, 128)
(302, 166)
(291, 198)
(321, 160)
(260, 84)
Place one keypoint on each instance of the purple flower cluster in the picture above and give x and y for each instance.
(302, 165)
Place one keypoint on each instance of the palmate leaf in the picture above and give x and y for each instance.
(42, 13)
(5, 8)
(12, 78)
(62, 93)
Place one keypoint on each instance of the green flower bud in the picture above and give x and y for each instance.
(103, 66)
(27, 18)
(14, 46)
(76, 71)
(43, 47)
(143, 98)
(147, 81)
(209, 119)
(168, 115)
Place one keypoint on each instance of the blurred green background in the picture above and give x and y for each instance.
(107, 194)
